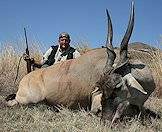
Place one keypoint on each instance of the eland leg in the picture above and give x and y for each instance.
(119, 111)
(96, 106)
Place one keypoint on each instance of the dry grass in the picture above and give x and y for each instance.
(82, 47)
(40, 117)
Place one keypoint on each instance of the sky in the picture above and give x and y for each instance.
(84, 20)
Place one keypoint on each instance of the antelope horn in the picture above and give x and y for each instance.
(110, 50)
(124, 43)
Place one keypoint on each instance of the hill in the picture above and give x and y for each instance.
(141, 46)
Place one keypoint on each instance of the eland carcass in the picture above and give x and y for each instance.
(72, 83)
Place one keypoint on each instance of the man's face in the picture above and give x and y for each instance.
(64, 43)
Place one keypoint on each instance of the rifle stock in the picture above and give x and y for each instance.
(28, 61)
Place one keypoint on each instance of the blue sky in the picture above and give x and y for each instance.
(85, 20)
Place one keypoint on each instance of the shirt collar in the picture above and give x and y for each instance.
(63, 51)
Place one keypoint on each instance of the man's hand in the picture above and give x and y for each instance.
(27, 58)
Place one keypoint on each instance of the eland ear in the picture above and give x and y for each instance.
(131, 81)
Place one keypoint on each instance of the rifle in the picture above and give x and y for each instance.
(28, 61)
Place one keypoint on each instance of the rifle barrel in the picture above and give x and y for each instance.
(26, 40)
(27, 52)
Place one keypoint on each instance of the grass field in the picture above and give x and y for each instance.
(40, 117)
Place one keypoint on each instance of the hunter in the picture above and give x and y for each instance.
(61, 52)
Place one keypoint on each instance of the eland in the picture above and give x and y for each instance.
(74, 83)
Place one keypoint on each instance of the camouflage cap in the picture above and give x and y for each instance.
(64, 34)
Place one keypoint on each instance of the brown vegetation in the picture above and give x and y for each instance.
(39, 117)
